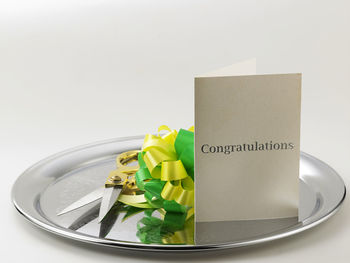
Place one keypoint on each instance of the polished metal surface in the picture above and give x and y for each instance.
(49, 186)
(85, 200)
(110, 196)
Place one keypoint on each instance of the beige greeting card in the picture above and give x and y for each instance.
(247, 133)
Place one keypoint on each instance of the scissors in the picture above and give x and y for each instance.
(119, 181)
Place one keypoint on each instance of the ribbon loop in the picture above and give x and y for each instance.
(173, 171)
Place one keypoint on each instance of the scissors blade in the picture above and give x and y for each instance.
(110, 196)
(87, 199)
(109, 220)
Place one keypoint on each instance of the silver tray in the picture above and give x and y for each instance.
(53, 183)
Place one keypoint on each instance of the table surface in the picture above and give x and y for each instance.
(73, 72)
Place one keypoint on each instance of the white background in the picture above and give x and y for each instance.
(73, 72)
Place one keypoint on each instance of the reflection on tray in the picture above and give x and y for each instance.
(150, 229)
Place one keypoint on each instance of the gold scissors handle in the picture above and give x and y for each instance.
(124, 175)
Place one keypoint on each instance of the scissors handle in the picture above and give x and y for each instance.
(125, 173)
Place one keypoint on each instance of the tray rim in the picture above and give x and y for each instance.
(70, 234)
